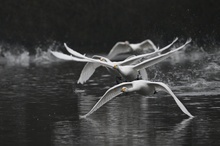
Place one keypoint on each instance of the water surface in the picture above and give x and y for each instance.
(40, 104)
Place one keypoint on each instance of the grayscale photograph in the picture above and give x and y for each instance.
(109, 73)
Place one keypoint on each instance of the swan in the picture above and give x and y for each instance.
(142, 87)
(126, 47)
(90, 67)
(127, 72)
(130, 72)
(127, 61)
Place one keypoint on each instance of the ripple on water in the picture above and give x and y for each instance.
(93, 84)
(105, 75)
(198, 94)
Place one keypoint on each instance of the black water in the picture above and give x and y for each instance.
(40, 104)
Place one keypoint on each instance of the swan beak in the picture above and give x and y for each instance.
(123, 89)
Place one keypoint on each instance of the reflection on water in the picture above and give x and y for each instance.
(41, 104)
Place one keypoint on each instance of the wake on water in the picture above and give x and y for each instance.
(193, 69)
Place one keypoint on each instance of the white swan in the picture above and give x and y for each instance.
(128, 72)
(142, 87)
(126, 47)
(90, 67)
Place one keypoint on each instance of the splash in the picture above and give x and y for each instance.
(21, 57)
(192, 71)
(43, 57)
(191, 54)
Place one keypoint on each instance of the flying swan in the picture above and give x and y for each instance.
(142, 87)
(126, 47)
(91, 66)
(127, 72)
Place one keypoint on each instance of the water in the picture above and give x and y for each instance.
(40, 104)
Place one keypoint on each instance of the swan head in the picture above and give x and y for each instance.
(127, 42)
(102, 59)
(123, 89)
(115, 66)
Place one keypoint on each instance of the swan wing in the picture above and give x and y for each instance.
(109, 94)
(163, 87)
(168, 46)
(148, 44)
(68, 57)
(119, 48)
(144, 74)
(101, 57)
(134, 59)
(157, 59)
(88, 70)
(73, 52)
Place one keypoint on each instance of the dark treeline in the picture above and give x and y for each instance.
(101, 23)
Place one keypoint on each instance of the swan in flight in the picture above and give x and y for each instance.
(142, 87)
(90, 67)
(127, 72)
(126, 47)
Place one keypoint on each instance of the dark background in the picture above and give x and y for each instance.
(98, 24)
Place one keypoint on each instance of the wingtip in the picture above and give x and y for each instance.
(188, 113)
(175, 39)
(191, 116)
(80, 82)
(82, 116)
(189, 40)
(52, 52)
(65, 45)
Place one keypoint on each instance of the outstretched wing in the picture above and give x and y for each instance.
(133, 59)
(119, 48)
(75, 53)
(163, 87)
(129, 61)
(157, 59)
(148, 44)
(71, 51)
(144, 74)
(168, 46)
(109, 94)
(68, 57)
(88, 70)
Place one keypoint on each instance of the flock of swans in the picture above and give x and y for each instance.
(132, 75)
